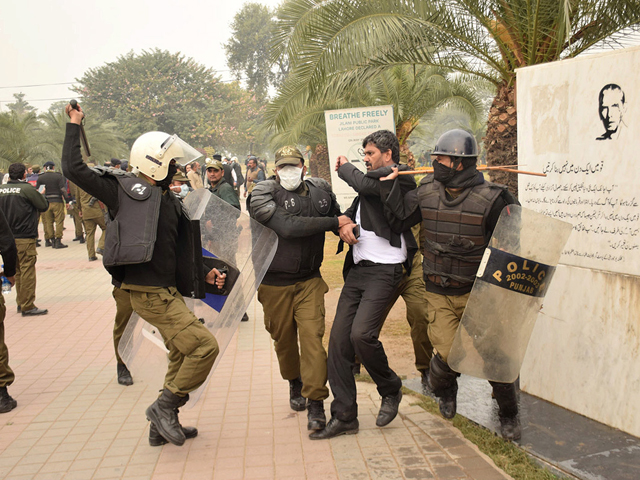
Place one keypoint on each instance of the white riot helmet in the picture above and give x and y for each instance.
(153, 151)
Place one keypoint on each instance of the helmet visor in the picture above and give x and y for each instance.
(174, 148)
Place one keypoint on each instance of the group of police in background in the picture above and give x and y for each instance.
(456, 208)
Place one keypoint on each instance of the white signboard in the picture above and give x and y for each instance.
(345, 131)
(579, 122)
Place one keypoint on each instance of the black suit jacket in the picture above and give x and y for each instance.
(372, 216)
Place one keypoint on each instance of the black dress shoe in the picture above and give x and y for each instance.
(157, 440)
(388, 409)
(336, 427)
(34, 311)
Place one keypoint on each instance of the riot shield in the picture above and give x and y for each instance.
(227, 237)
(507, 295)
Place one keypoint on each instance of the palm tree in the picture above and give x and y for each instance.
(347, 41)
(413, 92)
(105, 140)
(19, 138)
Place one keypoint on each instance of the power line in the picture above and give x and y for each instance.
(40, 85)
(38, 100)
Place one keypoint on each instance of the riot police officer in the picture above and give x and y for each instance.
(458, 210)
(144, 256)
(292, 292)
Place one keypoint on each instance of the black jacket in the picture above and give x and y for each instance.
(7, 248)
(172, 248)
(21, 202)
(372, 215)
(55, 186)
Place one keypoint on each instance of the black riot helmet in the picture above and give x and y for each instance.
(456, 143)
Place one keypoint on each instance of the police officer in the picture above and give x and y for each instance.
(9, 258)
(21, 204)
(145, 255)
(217, 183)
(56, 194)
(74, 210)
(93, 217)
(458, 210)
(292, 292)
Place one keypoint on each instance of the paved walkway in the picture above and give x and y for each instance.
(74, 421)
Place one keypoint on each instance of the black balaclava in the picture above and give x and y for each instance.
(166, 181)
(453, 178)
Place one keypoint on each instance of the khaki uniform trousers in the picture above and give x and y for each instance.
(192, 348)
(55, 213)
(77, 221)
(295, 312)
(26, 273)
(91, 225)
(411, 288)
(6, 374)
(123, 313)
(445, 312)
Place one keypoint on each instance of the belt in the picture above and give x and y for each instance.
(445, 282)
(369, 263)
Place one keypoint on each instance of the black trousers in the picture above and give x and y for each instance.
(359, 315)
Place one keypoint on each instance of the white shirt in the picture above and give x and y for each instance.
(377, 249)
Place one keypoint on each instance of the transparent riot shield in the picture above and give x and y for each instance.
(229, 238)
(507, 295)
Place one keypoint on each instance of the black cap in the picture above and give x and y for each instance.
(217, 156)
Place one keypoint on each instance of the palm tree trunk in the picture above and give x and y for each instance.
(501, 140)
(322, 162)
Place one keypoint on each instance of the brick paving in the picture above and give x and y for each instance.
(74, 421)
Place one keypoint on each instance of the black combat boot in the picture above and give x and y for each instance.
(507, 398)
(82, 240)
(164, 414)
(48, 242)
(296, 401)
(57, 243)
(124, 375)
(316, 418)
(80, 237)
(7, 403)
(157, 440)
(444, 384)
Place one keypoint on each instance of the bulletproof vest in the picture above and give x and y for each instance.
(301, 254)
(131, 232)
(454, 230)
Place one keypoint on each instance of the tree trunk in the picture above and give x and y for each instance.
(322, 162)
(501, 140)
(411, 160)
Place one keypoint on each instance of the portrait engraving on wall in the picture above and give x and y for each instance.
(611, 107)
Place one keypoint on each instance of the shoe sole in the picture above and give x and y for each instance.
(348, 432)
(151, 418)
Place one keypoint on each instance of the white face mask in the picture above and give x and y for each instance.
(290, 177)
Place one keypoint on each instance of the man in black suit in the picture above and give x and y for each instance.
(372, 271)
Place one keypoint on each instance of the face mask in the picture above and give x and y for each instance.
(290, 177)
(443, 174)
(166, 182)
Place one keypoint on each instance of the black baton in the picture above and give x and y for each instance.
(83, 135)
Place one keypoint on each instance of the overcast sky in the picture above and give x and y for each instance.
(46, 42)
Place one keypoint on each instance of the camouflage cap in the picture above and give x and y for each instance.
(215, 164)
(288, 155)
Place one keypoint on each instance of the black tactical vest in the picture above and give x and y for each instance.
(131, 233)
(454, 230)
(303, 254)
